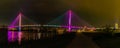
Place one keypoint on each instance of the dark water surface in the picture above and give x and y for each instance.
(27, 39)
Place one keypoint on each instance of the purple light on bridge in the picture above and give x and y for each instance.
(18, 18)
(20, 21)
(71, 26)
(11, 35)
(69, 20)
(13, 23)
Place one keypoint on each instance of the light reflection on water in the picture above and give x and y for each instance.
(19, 36)
(12, 36)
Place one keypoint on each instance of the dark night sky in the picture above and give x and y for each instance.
(95, 12)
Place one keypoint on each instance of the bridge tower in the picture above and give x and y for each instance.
(18, 35)
(69, 20)
(19, 26)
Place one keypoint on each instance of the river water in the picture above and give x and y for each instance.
(26, 35)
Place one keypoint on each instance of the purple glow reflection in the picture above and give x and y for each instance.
(12, 36)
(15, 35)
(19, 37)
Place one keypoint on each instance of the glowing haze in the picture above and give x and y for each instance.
(95, 12)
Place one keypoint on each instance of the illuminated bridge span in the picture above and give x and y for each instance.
(69, 22)
(56, 26)
(31, 25)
